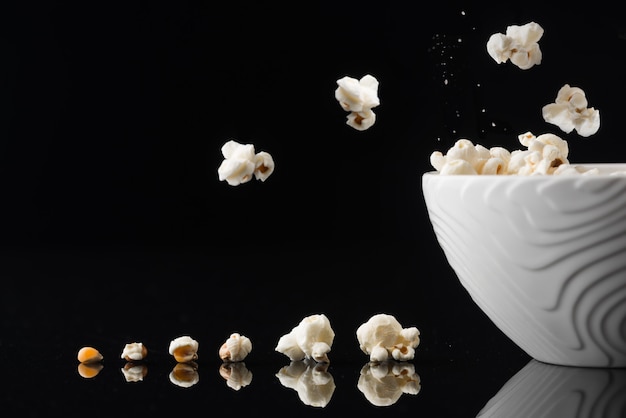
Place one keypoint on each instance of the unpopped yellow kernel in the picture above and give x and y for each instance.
(89, 355)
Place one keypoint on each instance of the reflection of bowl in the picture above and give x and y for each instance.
(543, 256)
(545, 390)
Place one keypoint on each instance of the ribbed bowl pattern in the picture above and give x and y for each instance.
(545, 390)
(543, 256)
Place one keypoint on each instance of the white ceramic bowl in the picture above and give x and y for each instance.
(543, 256)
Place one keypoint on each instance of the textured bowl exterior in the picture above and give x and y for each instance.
(543, 256)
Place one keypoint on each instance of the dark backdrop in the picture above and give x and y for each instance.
(114, 225)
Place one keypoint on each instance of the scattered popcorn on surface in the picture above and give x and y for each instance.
(311, 338)
(89, 370)
(314, 384)
(236, 348)
(358, 97)
(134, 351)
(185, 375)
(134, 372)
(570, 112)
(384, 383)
(241, 163)
(382, 337)
(519, 44)
(89, 355)
(184, 349)
(236, 375)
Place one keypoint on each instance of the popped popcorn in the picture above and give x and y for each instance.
(570, 112)
(235, 348)
(358, 97)
(382, 337)
(241, 163)
(544, 154)
(519, 44)
(311, 338)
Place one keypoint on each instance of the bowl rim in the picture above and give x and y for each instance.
(607, 170)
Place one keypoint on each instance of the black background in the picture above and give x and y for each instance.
(114, 226)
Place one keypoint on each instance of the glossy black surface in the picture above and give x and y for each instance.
(114, 227)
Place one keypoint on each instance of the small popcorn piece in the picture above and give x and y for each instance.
(184, 349)
(312, 338)
(358, 97)
(236, 348)
(570, 112)
(519, 44)
(241, 163)
(185, 375)
(134, 351)
(382, 338)
(89, 355)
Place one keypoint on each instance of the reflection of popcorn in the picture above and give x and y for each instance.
(358, 97)
(384, 383)
(311, 338)
(570, 111)
(382, 337)
(241, 163)
(236, 375)
(314, 384)
(519, 44)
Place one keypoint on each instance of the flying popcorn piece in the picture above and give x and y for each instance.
(382, 338)
(312, 338)
(519, 45)
(570, 112)
(313, 383)
(241, 163)
(235, 348)
(358, 97)
(384, 383)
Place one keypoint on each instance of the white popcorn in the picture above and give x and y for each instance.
(241, 163)
(134, 351)
(545, 153)
(312, 338)
(457, 166)
(184, 349)
(358, 97)
(384, 383)
(519, 44)
(235, 348)
(361, 120)
(570, 112)
(382, 337)
(314, 385)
